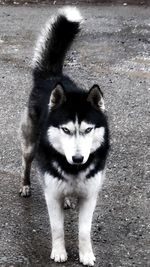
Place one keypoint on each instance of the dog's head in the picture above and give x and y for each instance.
(76, 123)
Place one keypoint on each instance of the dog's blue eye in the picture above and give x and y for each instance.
(88, 130)
(65, 130)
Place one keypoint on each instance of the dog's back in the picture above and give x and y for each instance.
(47, 64)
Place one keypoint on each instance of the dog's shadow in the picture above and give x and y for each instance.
(34, 227)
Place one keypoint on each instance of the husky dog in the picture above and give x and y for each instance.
(65, 129)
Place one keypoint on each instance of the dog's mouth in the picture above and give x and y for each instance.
(77, 164)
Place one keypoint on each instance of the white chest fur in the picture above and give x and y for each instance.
(73, 185)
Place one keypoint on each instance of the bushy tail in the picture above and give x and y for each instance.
(55, 40)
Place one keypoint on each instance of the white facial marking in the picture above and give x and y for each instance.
(84, 126)
(98, 138)
(74, 139)
(70, 126)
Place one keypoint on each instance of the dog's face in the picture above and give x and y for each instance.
(77, 127)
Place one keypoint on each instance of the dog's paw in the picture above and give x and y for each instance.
(25, 191)
(68, 204)
(59, 255)
(87, 258)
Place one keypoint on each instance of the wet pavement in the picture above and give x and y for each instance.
(113, 51)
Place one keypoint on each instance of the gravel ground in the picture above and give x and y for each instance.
(114, 51)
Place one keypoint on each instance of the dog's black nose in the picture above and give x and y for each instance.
(78, 159)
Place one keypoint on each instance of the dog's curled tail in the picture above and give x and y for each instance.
(55, 40)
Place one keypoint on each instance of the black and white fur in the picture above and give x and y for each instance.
(65, 128)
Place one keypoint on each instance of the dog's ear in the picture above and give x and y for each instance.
(57, 97)
(95, 97)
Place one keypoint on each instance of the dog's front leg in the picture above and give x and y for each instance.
(87, 206)
(56, 215)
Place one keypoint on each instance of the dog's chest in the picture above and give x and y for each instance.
(75, 184)
(72, 185)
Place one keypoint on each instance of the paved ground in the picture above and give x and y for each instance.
(113, 51)
(76, 2)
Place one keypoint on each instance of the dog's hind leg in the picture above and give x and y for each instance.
(28, 148)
